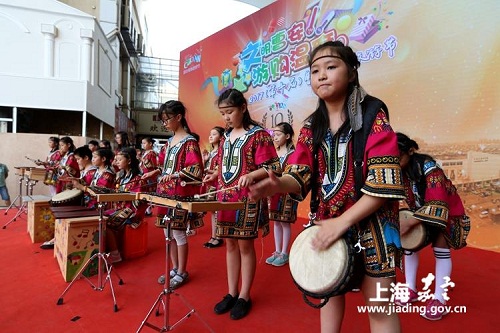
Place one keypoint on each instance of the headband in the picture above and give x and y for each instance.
(326, 56)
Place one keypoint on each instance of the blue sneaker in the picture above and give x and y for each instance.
(281, 260)
(272, 258)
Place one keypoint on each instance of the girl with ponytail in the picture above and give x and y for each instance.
(179, 160)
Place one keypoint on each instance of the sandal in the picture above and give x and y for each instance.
(209, 243)
(217, 242)
(178, 280)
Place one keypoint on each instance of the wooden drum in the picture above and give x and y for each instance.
(322, 274)
(417, 237)
(72, 197)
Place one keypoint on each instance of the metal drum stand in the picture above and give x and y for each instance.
(164, 297)
(23, 207)
(102, 258)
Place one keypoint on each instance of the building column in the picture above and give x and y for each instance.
(14, 119)
(49, 31)
(84, 123)
(87, 36)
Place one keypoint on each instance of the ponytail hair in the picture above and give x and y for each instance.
(174, 108)
(235, 98)
(288, 130)
(417, 160)
(69, 141)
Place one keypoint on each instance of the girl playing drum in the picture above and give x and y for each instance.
(329, 131)
(435, 202)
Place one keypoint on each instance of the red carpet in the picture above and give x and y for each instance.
(31, 283)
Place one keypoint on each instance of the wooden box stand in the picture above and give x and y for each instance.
(76, 240)
(135, 241)
(41, 220)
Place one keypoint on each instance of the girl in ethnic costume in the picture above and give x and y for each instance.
(83, 156)
(328, 131)
(121, 141)
(128, 179)
(181, 160)
(52, 160)
(435, 201)
(68, 166)
(210, 159)
(149, 162)
(105, 176)
(283, 210)
(245, 153)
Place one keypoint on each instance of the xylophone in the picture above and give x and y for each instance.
(191, 204)
(103, 194)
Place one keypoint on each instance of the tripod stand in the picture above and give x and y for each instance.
(19, 194)
(23, 208)
(102, 263)
(164, 297)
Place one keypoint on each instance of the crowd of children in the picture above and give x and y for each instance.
(282, 173)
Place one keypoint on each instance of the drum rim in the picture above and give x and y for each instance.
(75, 190)
(414, 245)
(336, 288)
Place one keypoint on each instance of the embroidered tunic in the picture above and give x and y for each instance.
(183, 159)
(441, 206)
(69, 164)
(85, 179)
(131, 211)
(52, 160)
(336, 187)
(149, 162)
(211, 165)
(249, 152)
(282, 207)
(105, 178)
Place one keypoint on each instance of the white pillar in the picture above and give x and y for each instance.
(84, 123)
(14, 119)
(49, 31)
(87, 36)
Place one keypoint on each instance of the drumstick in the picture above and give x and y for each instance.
(198, 196)
(195, 182)
(68, 178)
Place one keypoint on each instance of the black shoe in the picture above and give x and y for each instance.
(240, 309)
(208, 244)
(226, 304)
(218, 242)
(47, 245)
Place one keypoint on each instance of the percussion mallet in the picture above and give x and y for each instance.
(198, 196)
(196, 182)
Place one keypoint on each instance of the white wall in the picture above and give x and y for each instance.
(56, 57)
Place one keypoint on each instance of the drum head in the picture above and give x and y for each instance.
(71, 197)
(65, 195)
(317, 271)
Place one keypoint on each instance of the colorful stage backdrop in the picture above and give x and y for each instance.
(435, 64)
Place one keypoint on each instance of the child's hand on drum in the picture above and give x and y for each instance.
(407, 224)
(404, 228)
(330, 231)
